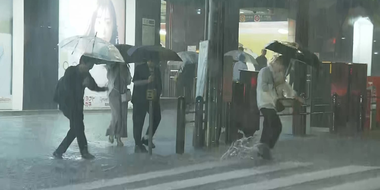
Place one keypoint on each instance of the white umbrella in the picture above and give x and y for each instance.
(92, 47)
(249, 58)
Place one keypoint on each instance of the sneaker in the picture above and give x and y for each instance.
(146, 143)
(88, 156)
(140, 149)
(57, 155)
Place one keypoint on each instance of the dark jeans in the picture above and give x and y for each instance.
(139, 113)
(76, 131)
(272, 127)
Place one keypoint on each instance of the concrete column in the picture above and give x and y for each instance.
(40, 53)
(136, 12)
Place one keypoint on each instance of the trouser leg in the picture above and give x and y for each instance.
(139, 114)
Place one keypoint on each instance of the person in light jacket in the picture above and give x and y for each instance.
(119, 77)
(271, 86)
(238, 66)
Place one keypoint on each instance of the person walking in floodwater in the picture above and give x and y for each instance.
(271, 86)
(69, 96)
(119, 77)
(144, 79)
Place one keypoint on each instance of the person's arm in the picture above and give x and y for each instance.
(91, 84)
(137, 81)
(265, 80)
(289, 92)
(244, 67)
(141, 82)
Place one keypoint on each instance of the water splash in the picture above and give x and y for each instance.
(244, 148)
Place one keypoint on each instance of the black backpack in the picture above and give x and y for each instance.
(60, 92)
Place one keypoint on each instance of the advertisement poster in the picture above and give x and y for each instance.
(148, 30)
(5, 71)
(106, 19)
(6, 16)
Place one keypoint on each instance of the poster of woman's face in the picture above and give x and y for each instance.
(104, 19)
(104, 22)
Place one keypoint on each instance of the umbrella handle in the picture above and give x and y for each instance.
(93, 45)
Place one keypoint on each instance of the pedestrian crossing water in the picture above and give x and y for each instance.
(237, 174)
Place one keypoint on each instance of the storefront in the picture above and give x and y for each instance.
(260, 26)
(106, 20)
(30, 60)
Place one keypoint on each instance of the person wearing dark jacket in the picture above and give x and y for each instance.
(262, 60)
(69, 95)
(144, 79)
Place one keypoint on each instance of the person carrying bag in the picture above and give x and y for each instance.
(271, 87)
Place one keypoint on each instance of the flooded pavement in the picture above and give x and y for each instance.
(27, 142)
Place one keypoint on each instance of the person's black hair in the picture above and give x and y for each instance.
(108, 5)
(86, 60)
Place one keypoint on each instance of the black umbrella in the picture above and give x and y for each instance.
(156, 53)
(293, 51)
(123, 49)
(284, 48)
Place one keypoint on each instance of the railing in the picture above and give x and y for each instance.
(299, 114)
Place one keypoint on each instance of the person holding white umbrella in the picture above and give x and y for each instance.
(69, 92)
(69, 95)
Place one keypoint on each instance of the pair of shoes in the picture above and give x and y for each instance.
(119, 142)
(140, 149)
(264, 151)
(146, 143)
(57, 155)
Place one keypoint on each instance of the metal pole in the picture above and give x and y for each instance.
(206, 20)
(228, 123)
(181, 123)
(334, 110)
(198, 136)
(361, 106)
(120, 102)
(212, 79)
(150, 127)
(151, 95)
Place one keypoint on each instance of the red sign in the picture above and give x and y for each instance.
(256, 18)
